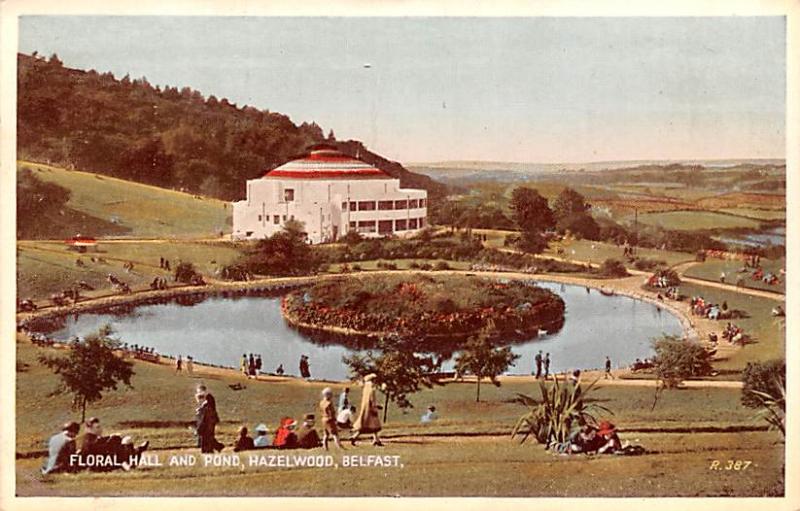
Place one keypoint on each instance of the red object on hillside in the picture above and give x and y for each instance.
(324, 161)
(81, 241)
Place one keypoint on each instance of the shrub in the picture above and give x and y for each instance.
(613, 268)
(677, 359)
(442, 265)
(645, 264)
(414, 265)
(765, 377)
(356, 267)
(185, 272)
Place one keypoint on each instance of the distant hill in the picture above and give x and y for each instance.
(167, 137)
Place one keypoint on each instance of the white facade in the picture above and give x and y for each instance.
(331, 194)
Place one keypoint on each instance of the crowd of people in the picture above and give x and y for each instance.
(66, 452)
(706, 309)
(250, 365)
(587, 438)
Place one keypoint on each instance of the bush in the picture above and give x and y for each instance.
(351, 238)
(532, 242)
(581, 225)
(645, 264)
(613, 268)
(185, 272)
(442, 265)
(677, 359)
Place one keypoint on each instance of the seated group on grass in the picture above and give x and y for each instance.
(93, 451)
(287, 436)
(586, 438)
(706, 309)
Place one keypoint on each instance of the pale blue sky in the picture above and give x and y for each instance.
(503, 89)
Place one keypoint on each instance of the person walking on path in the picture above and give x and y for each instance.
(538, 360)
(206, 421)
(243, 364)
(329, 429)
(305, 371)
(368, 420)
(189, 365)
(546, 366)
(608, 369)
(178, 364)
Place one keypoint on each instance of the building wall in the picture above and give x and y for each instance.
(329, 208)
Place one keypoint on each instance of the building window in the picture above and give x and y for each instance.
(284, 218)
(385, 204)
(366, 226)
(401, 204)
(400, 225)
(421, 223)
(276, 219)
(288, 195)
(291, 217)
(344, 206)
(413, 204)
(352, 225)
(422, 203)
(353, 206)
(412, 224)
(259, 218)
(385, 226)
(367, 205)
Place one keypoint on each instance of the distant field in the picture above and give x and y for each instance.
(597, 252)
(106, 206)
(696, 220)
(760, 214)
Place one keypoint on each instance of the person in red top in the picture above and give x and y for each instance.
(285, 437)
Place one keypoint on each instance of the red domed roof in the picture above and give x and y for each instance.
(326, 162)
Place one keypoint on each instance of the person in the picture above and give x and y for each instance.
(344, 420)
(279, 371)
(60, 448)
(93, 443)
(178, 364)
(262, 437)
(243, 364)
(429, 416)
(307, 436)
(608, 369)
(609, 440)
(328, 415)
(305, 371)
(251, 366)
(206, 421)
(258, 364)
(243, 441)
(189, 365)
(538, 360)
(285, 437)
(546, 366)
(722, 277)
(368, 420)
(344, 399)
(575, 377)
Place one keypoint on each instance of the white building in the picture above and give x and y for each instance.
(331, 194)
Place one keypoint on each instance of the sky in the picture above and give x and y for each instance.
(548, 90)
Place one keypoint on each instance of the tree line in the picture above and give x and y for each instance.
(168, 137)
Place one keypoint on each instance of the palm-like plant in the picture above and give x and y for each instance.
(773, 406)
(550, 418)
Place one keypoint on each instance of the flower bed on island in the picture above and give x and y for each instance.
(425, 307)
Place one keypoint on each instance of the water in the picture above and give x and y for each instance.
(775, 236)
(220, 330)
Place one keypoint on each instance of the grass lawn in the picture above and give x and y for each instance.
(44, 268)
(767, 331)
(696, 220)
(712, 268)
(161, 406)
(582, 250)
(760, 214)
(138, 210)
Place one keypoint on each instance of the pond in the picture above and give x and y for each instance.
(220, 330)
(775, 236)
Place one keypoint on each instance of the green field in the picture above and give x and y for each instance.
(767, 331)
(161, 406)
(44, 268)
(598, 251)
(695, 220)
(106, 206)
(712, 269)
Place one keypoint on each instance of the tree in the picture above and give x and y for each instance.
(581, 225)
(532, 242)
(185, 272)
(530, 210)
(399, 371)
(613, 268)
(569, 202)
(482, 359)
(677, 359)
(90, 368)
(284, 253)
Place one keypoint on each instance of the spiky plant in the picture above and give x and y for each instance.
(773, 406)
(550, 418)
